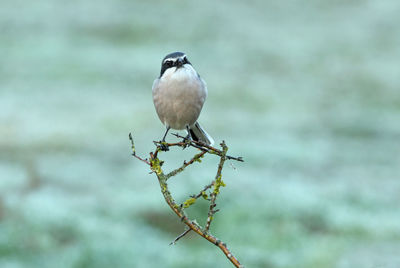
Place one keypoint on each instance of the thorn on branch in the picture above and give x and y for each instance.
(180, 236)
(132, 144)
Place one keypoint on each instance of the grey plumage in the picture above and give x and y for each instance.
(179, 94)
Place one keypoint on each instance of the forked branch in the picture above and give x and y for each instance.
(155, 165)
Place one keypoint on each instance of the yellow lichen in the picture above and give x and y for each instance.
(156, 165)
(189, 202)
(218, 183)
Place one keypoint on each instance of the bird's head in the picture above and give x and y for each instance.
(173, 60)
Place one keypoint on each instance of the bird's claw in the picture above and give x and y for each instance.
(164, 147)
(187, 141)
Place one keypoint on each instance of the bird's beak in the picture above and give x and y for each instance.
(179, 63)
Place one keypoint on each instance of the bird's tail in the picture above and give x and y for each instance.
(199, 134)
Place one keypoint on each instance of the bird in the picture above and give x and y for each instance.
(178, 95)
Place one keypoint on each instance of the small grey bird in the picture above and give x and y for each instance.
(178, 95)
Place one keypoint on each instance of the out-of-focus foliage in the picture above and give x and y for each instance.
(308, 92)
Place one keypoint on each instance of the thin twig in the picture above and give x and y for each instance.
(212, 150)
(198, 145)
(134, 151)
(202, 192)
(185, 164)
(180, 236)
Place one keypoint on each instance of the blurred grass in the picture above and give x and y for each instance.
(307, 92)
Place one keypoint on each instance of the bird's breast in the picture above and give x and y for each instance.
(179, 97)
(183, 85)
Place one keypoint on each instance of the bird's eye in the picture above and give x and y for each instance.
(185, 60)
(168, 63)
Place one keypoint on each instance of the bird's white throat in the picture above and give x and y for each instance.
(179, 74)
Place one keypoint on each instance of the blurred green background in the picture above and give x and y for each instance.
(306, 91)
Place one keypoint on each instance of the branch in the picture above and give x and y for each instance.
(203, 192)
(156, 167)
(203, 147)
(134, 150)
(180, 236)
(218, 183)
(197, 158)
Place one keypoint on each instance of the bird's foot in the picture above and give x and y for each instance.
(163, 146)
(187, 141)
